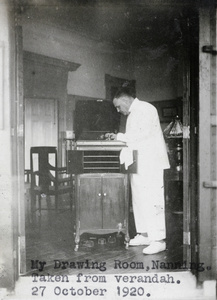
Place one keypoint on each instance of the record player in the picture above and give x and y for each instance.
(101, 183)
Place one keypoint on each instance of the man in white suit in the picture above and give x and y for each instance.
(144, 134)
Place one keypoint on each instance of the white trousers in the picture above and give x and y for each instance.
(148, 203)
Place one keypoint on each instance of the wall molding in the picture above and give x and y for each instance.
(43, 59)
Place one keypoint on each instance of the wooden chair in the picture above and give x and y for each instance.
(46, 178)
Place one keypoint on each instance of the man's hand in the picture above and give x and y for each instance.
(111, 136)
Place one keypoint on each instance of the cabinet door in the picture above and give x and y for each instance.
(113, 201)
(90, 202)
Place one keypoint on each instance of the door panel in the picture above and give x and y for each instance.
(113, 201)
(190, 62)
(207, 146)
(90, 205)
(41, 126)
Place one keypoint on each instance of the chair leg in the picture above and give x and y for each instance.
(48, 202)
(32, 204)
(56, 201)
(39, 203)
(71, 200)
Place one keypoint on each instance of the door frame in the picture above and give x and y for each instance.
(207, 153)
(190, 138)
(18, 145)
(204, 206)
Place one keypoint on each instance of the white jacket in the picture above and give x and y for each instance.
(143, 133)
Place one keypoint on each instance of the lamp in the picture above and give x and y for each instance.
(174, 134)
(174, 129)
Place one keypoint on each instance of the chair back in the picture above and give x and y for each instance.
(41, 158)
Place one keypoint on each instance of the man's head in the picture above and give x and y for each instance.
(123, 100)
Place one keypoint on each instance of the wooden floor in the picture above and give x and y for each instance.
(49, 237)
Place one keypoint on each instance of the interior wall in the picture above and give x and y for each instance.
(155, 70)
(156, 74)
(44, 80)
(96, 58)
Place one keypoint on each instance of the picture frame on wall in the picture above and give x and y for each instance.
(112, 84)
(168, 109)
(169, 112)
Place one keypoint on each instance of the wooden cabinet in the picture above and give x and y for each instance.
(173, 177)
(101, 204)
(173, 188)
(101, 187)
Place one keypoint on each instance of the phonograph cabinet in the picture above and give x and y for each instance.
(101, 188)
(101, 183)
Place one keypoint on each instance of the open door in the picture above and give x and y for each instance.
(190, 69)
(208, 145)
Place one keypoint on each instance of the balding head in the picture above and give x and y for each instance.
(123, 100)
(123, 104)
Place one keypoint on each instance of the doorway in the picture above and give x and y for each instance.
(41, 125)
(36, 114)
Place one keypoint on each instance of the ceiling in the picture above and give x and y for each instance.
(127, 24)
